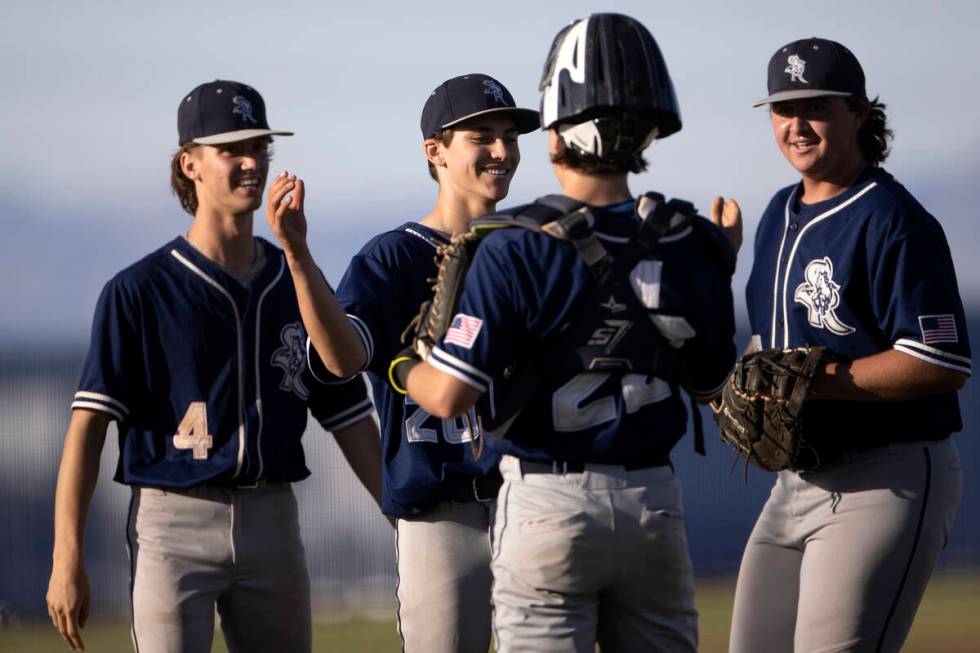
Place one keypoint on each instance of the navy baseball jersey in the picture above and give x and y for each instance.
(524, 286)
(207, 376)
(426, 459)
(861, 273)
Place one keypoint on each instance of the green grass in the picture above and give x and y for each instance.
(948, 622)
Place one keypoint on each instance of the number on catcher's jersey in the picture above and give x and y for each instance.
(454, 430)
(192, 432)
(571, 412)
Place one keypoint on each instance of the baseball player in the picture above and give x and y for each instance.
(589, 542)
(198, 354)
(440, 480)
(848, 259)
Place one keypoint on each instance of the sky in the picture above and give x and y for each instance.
(90, 92)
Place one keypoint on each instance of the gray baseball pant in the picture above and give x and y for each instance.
(237, 549)
(444, 579)
(840, 557)
(596, 556)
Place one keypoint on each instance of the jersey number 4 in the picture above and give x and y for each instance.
(192, 432)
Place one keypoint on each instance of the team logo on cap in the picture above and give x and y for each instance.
(795, 68)
(291, 357)
(244, 108)
(494, 89)
(821, 295)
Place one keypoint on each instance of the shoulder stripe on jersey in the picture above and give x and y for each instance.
(366, 339)
(102, 408)
(431, 242)
(241, 347)
(83, 394)
(258, 366)
(908, 342)
(349, 416)
(463, 371)
(799, 239)
(935, 361)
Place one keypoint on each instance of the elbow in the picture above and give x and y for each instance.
(957, 381)
(446, 407)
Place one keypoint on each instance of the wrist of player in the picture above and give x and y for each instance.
(401, 366)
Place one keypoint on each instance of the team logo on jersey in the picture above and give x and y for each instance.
(493, 88)
(243, 108)
(821, 295)
(291, 357)
(795, 68)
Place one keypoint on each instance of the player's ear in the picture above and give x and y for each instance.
(555, 144)
(434, 152)
(190, 164)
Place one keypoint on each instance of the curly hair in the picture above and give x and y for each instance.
(180, 185)
(874, 135)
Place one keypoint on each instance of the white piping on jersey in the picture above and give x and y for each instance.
(931, 354)
(474, 377)
(348, 416)
(366, 338)
(409, 230)
(930, 359)
(792, 253)
(84, 394)
(103, 408)
(241, 373)
(258, 367)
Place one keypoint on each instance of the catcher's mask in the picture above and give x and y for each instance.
(606, 88)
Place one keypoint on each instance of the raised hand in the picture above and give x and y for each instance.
(727, 215)
(284, 213)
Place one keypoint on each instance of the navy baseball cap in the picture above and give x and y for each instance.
(811, 68)
(469, 96)
(222, 112)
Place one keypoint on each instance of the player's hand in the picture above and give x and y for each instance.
(284, 213)
(69, 598)
(727, 215)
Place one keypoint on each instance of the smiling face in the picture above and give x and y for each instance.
(229, 178)
(481, 158)
(818, 136)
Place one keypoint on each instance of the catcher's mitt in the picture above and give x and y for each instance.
(436, 314)
(759, 411)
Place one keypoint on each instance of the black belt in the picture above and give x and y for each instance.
(480, 488)
(578, 466)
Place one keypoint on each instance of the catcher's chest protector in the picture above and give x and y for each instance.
(611, 331)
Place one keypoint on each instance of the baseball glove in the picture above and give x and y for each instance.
(759, 411)
(435, 315)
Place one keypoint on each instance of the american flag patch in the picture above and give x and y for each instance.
(938, 328)
(463, 331)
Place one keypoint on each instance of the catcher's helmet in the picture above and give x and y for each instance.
(606, 87)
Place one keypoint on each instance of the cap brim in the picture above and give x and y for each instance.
(238, 135)
(526, 120)
(782, 96)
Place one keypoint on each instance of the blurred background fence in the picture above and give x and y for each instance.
(350, 547)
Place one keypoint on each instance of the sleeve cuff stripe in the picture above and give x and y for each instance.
(926, 349)
(365, 333)
(106, 399)
(335, 423)
(358, 407)
(102, 408)
(462, 376)
(934, 361)
(449, 359)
